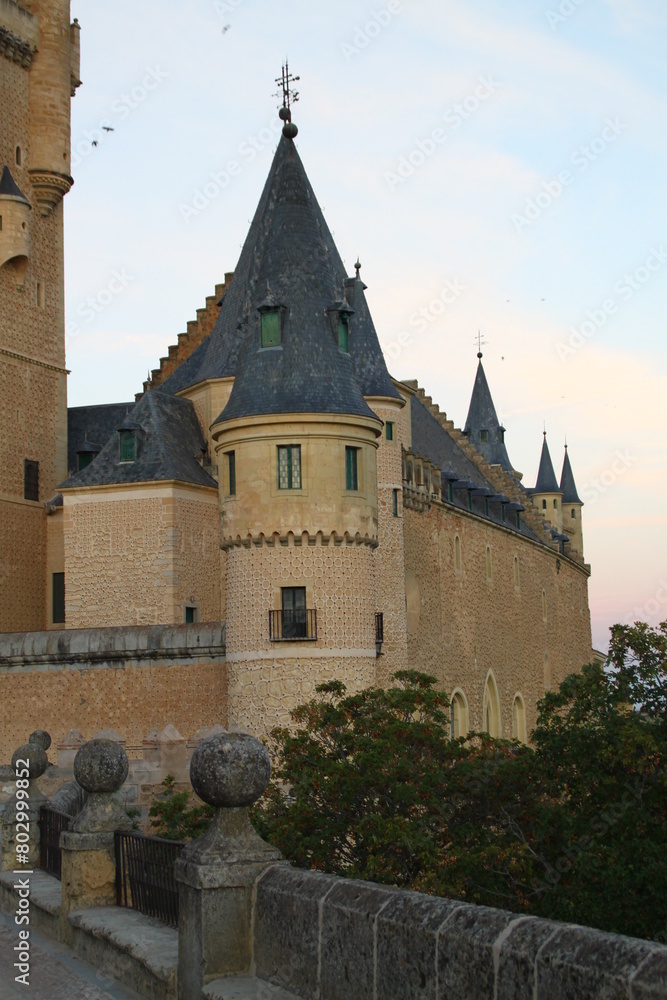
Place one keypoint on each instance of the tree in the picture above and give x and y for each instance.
(372, 786)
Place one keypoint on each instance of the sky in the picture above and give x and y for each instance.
(498, 166)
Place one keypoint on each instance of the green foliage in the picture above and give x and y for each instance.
(134, 812)
(372, 786)
(173, 819)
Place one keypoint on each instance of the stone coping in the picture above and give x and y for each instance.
(328, 938)
(45, 890)
(145, 940)
(101, 646)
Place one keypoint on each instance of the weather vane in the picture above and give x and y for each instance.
(289, 97)
(480, 343)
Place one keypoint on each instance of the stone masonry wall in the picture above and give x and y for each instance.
(462, 624)
(267, 679)
(330, 938)
(137, 555)
(32, 359)
(127, 679)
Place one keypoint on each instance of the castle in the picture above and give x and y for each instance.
(271, 474)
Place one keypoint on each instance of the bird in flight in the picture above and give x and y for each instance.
(108, 128)
(95, 142)
(226, 29)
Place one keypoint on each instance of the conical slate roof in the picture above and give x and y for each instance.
(365, 349)
(482, 417)
(9, 188)
(169, 442)
(289, 250)
(546, 477)
(567, 483)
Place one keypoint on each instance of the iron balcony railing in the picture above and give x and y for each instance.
(286, 626)
(145, 875)
(52, 822)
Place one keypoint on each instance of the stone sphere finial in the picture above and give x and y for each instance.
(101, 766)
(230, 770)
(41, 738)
(36, 757)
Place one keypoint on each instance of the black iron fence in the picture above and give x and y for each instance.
(301, 623)
(145, 875)
(52, 822)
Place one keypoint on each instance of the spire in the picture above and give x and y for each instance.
(365, 347)
(567, 483)
(289, 248)
(482, 426)
(546, 477)
(9, 188)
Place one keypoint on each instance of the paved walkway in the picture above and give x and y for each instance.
(55, 973)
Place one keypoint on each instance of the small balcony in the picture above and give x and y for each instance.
(298, 625)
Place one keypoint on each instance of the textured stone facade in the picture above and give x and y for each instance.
(139, 555)
(35, 92)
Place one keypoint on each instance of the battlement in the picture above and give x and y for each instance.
(19, 33)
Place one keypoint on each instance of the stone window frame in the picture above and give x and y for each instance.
(491, 714)
(517, 574)
(519, 730)
(458, 554)
(489, 565)
(459, 697)
(291, 450)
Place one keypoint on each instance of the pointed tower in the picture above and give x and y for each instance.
(572, 506)
(482, 426)
(547, 494)
(296, 445)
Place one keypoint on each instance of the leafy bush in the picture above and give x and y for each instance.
(172, 817)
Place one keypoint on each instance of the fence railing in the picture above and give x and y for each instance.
(145, 875)
(52, 822)
(290, 625)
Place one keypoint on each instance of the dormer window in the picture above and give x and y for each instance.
(270, 328)
(484, 436)
(84, 458)
(344, 332)
(127, 440)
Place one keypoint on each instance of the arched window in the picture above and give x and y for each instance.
(519, 719)
(19, 156)
(544, 505)
(547, 672)
(458, 714)
(457, 554)
(492, 708)
(544, 605)
(489, 567)
(572, 513)
(516, 573)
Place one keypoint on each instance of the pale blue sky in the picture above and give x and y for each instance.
(434, 134)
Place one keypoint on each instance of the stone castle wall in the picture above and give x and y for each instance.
(33, 403)
(136, 555)
(461, 624)
(127, 679)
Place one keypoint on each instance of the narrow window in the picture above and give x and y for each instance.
(486, 506)
(572, 514)
(516, 572)
(519, 720)
(19, 156)
(492, 723)
(450, 491)
(555, 504)
(502, 513)
(394, 502)
(128, 445)
(190, 614)
(0, 223)
(84, 458)
(344, 333)
(469, 499)
(458, 715)
(518, 519)
(289, 467)
(40, 297)
(30, 480)
(58, 598)
(489, 572)
(351, 469)
(544, 505)
(389, 430)
(457, 554)
(270, 328)
(295, 625)
(231, 473)
(484, 436)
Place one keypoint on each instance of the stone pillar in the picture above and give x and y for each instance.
(20, 818)
(216, 873)
(88, 857)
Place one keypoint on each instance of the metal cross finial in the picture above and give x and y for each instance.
(480, 343)
(289, 96)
